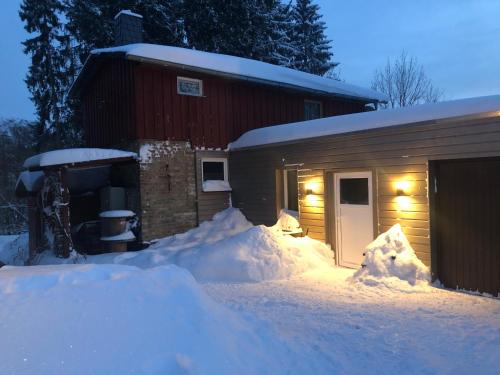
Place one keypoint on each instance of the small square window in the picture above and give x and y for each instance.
(354, 191)
(312, 110)
(214, 174)
(189, 86)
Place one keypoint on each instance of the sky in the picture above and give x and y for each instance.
(457, 42)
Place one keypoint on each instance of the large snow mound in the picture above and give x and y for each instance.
(258, 254)
(224, 224)
(390, 256)
(110, 319)
(226, 249)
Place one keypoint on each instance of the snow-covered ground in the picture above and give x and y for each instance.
(260, 302)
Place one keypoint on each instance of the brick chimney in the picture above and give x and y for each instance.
(128, 28)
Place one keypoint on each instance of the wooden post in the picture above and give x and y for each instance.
(65, 245)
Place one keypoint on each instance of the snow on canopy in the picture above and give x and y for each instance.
(75, 155)
(240, 67)
(366, 120)
(30, 180)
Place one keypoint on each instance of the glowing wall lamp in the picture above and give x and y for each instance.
(311, 188)
(402, 188)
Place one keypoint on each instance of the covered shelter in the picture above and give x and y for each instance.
(68, 189)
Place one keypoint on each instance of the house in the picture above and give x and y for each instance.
(176, 110)
(434, 169)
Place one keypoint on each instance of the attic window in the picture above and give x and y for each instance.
(189, 86)
(312, 109)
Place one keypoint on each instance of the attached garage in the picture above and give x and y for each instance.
(433, 169)
(466, 223)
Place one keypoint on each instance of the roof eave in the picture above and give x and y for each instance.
(250, 79)
(475, 116)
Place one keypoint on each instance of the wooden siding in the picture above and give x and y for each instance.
(107, 105)
(209, 203)
(396, 153)
(227, 109)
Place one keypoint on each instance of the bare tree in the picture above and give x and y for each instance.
(405, 83)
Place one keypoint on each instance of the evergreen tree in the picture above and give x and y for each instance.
(91, 22)
(42, 21)
(257, 29)
(313, 49)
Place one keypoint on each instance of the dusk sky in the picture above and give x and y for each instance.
(457, 41)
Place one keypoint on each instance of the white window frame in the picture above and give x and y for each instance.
(314, 102)
(221, 160)
(179, 78)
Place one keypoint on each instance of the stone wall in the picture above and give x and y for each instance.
(167, 188)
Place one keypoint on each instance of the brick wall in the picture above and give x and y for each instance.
(167, 188)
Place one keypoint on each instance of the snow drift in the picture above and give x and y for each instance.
(390, 255)
(258, 254)
(110, 319)
(224, 224)
(226, 249)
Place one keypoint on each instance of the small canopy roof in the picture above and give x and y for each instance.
(29, 182)
(75, 156)
(367, 120)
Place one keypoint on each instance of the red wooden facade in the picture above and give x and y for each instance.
(127, 100)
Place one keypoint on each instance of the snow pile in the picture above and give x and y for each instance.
(258, 254)
(122, 320)
(75, 155)
(391, 256)
(14, 249)
(224, 224)
(226, 249)
(288, 220)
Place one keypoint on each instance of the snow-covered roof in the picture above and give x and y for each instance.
(366, 120)
(75, 155)
(127, 12)
(30, 181)
(242, 68)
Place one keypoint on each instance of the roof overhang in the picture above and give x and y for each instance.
(95, 61)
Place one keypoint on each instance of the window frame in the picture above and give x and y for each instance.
(215, 160)
(285, 189)
(180, 78)
(310, 101)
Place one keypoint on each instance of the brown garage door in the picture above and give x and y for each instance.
(467, 214)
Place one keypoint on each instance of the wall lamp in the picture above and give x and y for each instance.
(402, 188)
(311, 188)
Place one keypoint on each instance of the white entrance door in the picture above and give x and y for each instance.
(354, 216)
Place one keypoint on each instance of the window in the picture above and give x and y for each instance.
(291, 190)
(354, 191)
(312, 109)
(189, 86)
(214, 174)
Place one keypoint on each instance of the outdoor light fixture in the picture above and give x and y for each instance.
(311, 188)
(402, 188)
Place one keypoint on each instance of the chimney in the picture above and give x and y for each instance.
(128, 28)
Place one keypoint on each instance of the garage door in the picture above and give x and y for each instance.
(467, 214)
